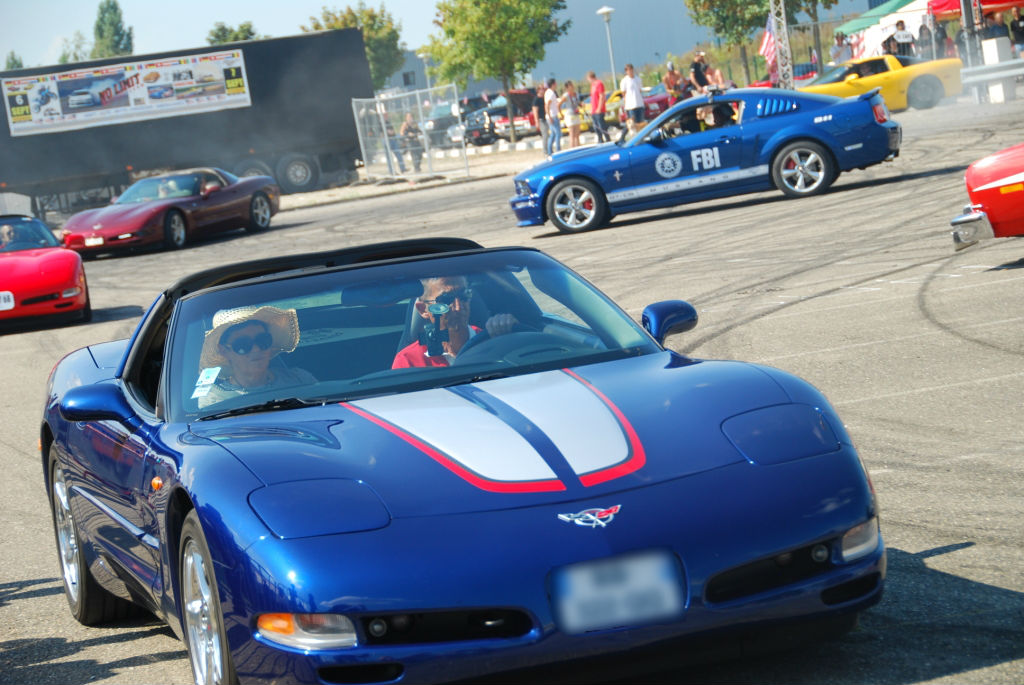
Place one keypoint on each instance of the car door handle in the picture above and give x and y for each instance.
(726, 139)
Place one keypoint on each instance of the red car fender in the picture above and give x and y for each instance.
(996, 183)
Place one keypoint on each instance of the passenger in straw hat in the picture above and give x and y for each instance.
(240, 354)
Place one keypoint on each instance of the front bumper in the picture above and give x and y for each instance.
(970, 227)
(529, 209)
(84, 243)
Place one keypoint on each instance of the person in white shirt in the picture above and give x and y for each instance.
(904, 40)
(632, 99)
(841, 51)
(554, 143)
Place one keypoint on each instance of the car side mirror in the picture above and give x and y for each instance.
(668, 317)
(210, 188)
(655, 136)
(851, 77)
(98, 402)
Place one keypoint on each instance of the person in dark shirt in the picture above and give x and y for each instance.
(1017, 31)
(539, 117)
(698, 73)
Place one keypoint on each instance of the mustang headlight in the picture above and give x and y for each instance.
(308, 631)
(861, 540)
(785, 432)
(523, 188)
(329, 506)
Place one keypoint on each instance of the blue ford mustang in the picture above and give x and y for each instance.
(717, 145)
(561, 486)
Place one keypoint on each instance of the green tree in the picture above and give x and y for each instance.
(502, 39)
(380, 35)
(222, 33)
(735, 20)
(74, 49)
(111, 38)
(13, 61)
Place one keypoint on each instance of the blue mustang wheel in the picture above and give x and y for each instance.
(575, 205)
(803, 168)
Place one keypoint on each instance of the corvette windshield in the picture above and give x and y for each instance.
(356, 332)
(833, 74)
(24, 233)
(158, 188)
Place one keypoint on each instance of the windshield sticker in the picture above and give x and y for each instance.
(668, 164)
(208, 376)
(201, 391)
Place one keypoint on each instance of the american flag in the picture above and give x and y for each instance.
(767, 49)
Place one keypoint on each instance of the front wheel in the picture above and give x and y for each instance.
(202, 619)
(576, 205)
(924, 92)
(802, 169)
(174, 230)
(297, 173)
(259, 212)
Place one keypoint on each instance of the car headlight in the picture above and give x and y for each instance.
(784, 432)
(523, 188)
(861, 540)
(308, 631)
(329, 506)
(71, 292)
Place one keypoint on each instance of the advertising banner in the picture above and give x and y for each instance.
(121, 93)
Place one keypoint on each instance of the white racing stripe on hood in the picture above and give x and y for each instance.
(575, 419)
(464, 432)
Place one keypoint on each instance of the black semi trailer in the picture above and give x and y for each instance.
(280, 107)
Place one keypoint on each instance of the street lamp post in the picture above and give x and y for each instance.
(606, 13)
(425, 58)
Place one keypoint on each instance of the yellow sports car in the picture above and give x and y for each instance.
(905, 81)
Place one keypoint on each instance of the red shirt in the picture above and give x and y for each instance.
(597, 97)
(415, 354)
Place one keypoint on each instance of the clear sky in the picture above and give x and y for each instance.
(34, 29)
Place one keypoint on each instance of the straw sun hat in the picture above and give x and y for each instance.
(282, 324)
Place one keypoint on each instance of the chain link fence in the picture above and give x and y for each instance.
(407, 134)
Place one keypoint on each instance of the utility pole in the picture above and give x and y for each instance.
(783, 56)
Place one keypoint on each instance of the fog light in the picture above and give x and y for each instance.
(378, 627)
(861, 540)
(819, 553)
(308, 631)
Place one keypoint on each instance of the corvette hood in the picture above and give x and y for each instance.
(41, 266)
(572, 434)
(114, 217)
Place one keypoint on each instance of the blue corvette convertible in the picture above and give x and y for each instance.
(717, 145)
(426, 460)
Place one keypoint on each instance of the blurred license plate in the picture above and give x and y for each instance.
(624, 591)
(94, 241)
(6, 300)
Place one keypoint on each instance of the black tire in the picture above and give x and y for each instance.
(575, 205)
(803, 168)
(87, 312)
(297, 173)
(175, 230)
(90, 604)
(259, 213)
(202, 621)
(924, 92)
(253, 167)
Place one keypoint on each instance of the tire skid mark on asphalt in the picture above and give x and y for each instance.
(930, 388)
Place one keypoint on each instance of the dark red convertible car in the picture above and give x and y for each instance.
(39, 279)
(172, 209)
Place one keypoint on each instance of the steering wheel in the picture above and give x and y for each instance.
(484, 335)
(515, 347)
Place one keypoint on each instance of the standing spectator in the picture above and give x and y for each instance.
(411, 141)
(554, 143)
(539, 116)
(597, 107)
(904, 40)
(673, 82)
(714, 75)
(1017, 31)
(995, 26)
(632, 99)
(698, 75)
(393, 146)
(925, 44)
(841, 51)
(569, 103)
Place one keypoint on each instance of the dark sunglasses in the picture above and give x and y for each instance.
(243, 344)
(443, 302)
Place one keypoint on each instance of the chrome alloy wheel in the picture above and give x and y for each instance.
(202, 621)
(177, 229)
(261, 211)
(803, 170)
(575, 206)
(67, 541)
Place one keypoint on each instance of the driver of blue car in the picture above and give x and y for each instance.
(444, 308)
(241, 354)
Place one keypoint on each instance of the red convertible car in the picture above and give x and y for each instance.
(172, 209)
(995, 186)
(39, 277)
